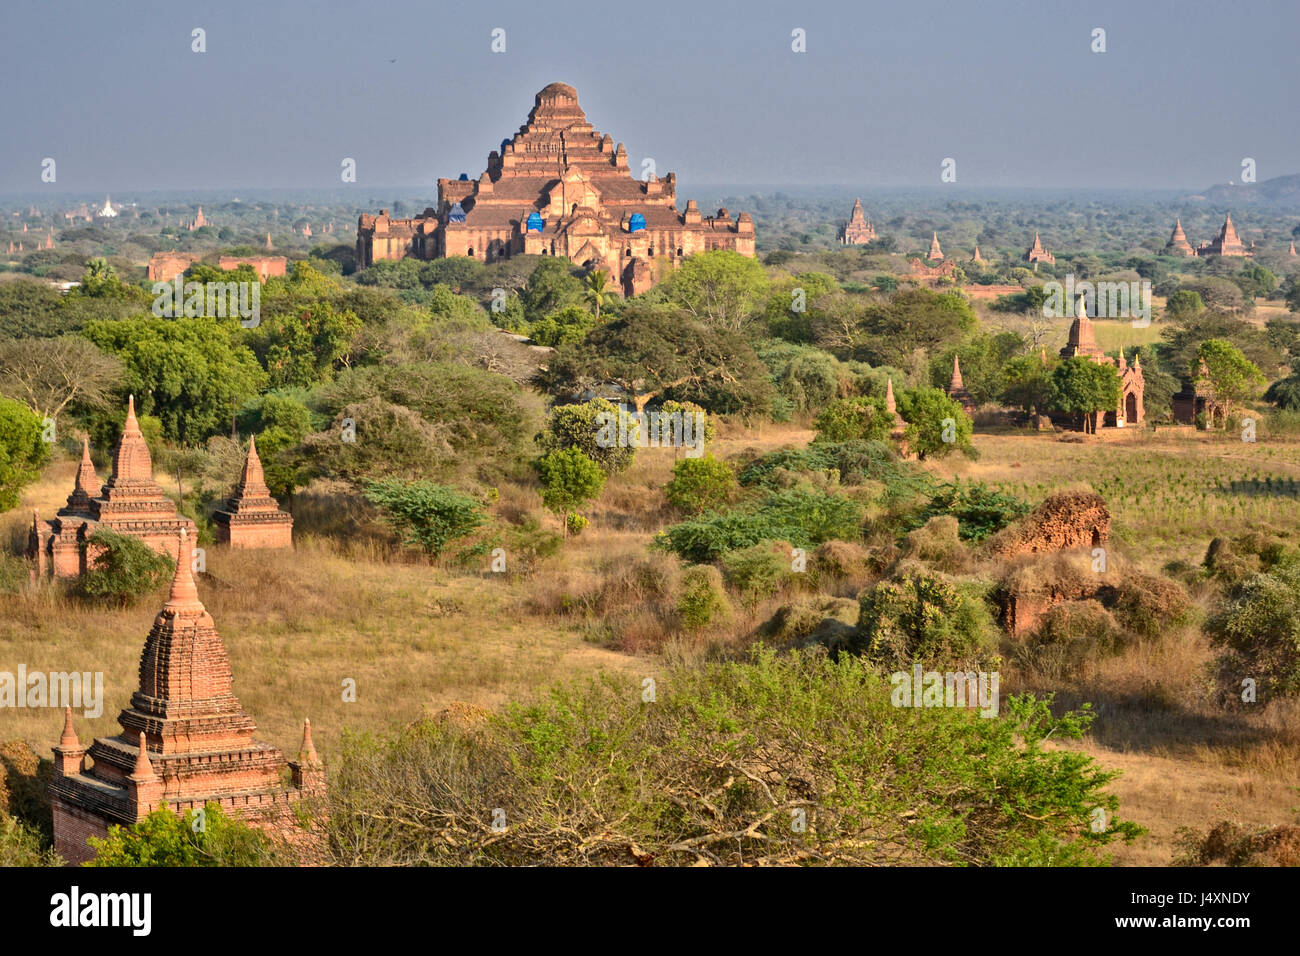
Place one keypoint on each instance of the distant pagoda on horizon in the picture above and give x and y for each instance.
(858, 230)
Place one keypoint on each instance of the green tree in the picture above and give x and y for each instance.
(567, 326)
(550, 288)
(701, 483)
(851, 419)
(1083, 387)
(937, 425)
(1183, 303)
(926, 618)
(595, 291)
(1027, 384)
(1285, 393)
(426, 514)
(569, 480)
(592, 428)
(649, 352)
(720, 288)
(123, 569)
(1234, 377)
(22, 451)
(191, 373)
(304, 344)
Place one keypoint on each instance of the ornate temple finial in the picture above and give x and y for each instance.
(69, 738)
(890, 403)
(143, 769)
(307, 755)
(956, 373)
(184, 593)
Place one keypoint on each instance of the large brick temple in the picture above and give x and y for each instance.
(559, 187)
(1082, 343)
(130, 503)
(185, 741)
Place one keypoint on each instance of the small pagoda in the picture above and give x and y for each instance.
(935, 253)
(1178, 244)
(1037, 253)
(251, 517)
(130, 503)
(957, 389)
(858, 230)
(185, 741)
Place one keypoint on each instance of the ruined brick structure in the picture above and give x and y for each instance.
(1226, 243)
(1131, 409)
(1037, 253)
(264, 266)
(251, 517)
(858, 230)
(559, 188)
(1178, 244)
(166, 266)
(130, 503)
(185, 740)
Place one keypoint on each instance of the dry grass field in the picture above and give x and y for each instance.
(417, 638)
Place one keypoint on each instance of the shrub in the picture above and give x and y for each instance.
(938, 545)
(701, 483)
(854, 419)
(164, 839)
(893, 785)
(1258, 631)
(1150, 605)
(757, 572)
(979, 510)
(593, 429)
(124, 568)
(426, 514)
(22, 846)
(22, 450)
(703, 601)
(804, 518)
(1069, 635)
(569, 480)
(924, 617)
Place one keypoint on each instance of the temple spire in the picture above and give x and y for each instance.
(307, 755)
(184, 594)
(69, 738)
(956, 374)
(143, 768)
(890, 404)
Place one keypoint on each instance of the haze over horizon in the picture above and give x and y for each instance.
(1011, 90)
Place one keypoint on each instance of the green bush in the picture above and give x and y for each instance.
(924, 617)
(703, 601)
(164, 839)
(878, 784)
(1258, 632)
(854, 419)
(124, 569)
(757, 572)
(700, 483)
(980, 511)
(803, 518)
(855, 461)
(426, 514)
(22, 450)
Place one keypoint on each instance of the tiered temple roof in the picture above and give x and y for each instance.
(251, 517)
(588, 206)
(129, 503)
(858, 231)
(1178, 244)
(185, 739)
(935, 251)
(1038, 253)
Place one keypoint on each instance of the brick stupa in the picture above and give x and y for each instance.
(1178, 244)
(935, 253)
(251, 517)
(185, 741)
(957, 389)
(1038, 253)
(1226, 243)
(131, 503)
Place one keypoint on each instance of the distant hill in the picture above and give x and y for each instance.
(1280, 192)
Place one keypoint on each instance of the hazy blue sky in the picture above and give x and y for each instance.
(709, 89)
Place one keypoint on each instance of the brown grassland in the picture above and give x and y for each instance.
(417, 638)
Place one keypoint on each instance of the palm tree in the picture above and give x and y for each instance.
(595, 292)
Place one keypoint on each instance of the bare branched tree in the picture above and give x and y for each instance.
(48, 375)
